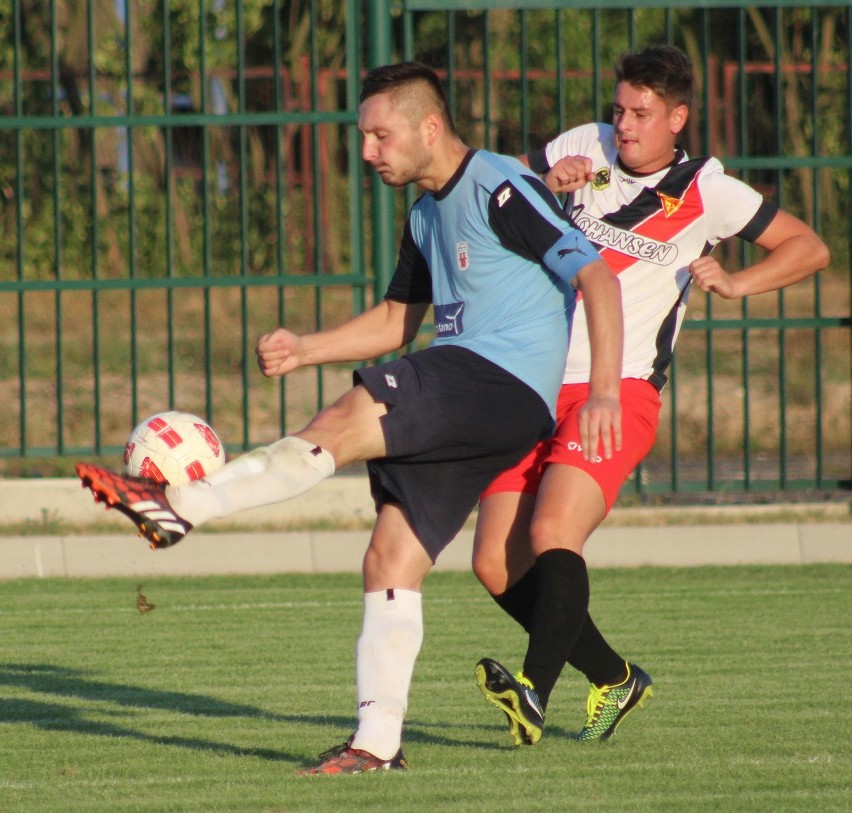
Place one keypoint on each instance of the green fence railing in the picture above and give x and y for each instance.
(174, 184)
(759, 395)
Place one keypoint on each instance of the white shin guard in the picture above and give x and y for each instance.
(264, 476)
(387, 650)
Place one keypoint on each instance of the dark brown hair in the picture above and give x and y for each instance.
(664, 69)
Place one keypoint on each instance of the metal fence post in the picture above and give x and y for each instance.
(381, 196)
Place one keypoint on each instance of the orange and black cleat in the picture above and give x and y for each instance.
(343, 759)
(143, 501)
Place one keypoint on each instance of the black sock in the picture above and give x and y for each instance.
(595, 658)
(592, 655)
(558, 615)
(519, 599)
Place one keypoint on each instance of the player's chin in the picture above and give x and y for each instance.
(627, 150)
(390, 180)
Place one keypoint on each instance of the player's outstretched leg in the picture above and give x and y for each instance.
(144, 501)
(515, 697)
(344, 759)
(607, 706)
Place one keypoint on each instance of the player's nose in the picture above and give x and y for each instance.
(368, 151)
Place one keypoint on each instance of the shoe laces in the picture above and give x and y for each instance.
(524, 680)
(335, 750)
(598, 698)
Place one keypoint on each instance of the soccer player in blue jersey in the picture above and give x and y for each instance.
(487, 247)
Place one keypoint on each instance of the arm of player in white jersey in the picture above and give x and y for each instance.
(795, 252)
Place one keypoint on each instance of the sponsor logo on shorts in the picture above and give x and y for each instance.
(448, 319)
(573, 446)
(390, 381)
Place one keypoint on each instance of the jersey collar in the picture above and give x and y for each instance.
(450, 184)
(679, 156)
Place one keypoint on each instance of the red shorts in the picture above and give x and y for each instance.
(640, 415)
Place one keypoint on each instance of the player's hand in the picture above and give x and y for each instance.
(709, 276)
(600, 427)
(569, 174)
(278, 352)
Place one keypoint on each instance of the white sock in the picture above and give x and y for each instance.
(387, 649)
(264, 476)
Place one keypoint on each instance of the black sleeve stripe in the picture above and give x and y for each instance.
(540, 187)
(518, 225)
(411, 282)
(757, 225)
(538, 161)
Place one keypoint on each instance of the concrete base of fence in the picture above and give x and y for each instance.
(342, 551)
(254, 549)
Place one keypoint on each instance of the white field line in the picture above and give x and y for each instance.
(466, 601)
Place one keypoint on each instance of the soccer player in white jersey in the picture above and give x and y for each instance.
(487, 246)
(655, 215)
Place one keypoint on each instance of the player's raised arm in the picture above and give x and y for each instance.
(569, 174)
(382, 329)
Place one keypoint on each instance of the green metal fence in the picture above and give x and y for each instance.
(179, 177)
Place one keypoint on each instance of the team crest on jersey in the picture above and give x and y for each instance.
(670, 204)
(600, 180)
(462, 256)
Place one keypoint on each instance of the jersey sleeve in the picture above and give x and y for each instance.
(757, 225)
(541, 233)
(571, 142)
(733, 208)
(538, 161)
(411, 282)
(587, 140)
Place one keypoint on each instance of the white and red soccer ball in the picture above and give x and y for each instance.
(173, 447)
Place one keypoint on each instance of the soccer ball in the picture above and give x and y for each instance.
(173, 447)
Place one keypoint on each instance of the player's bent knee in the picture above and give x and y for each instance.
(400, 566)
(549, 534)
(491, 570)
(350, 428)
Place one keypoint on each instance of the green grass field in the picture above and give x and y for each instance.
(211, 701)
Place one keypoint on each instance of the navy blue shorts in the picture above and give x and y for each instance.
(455, 421)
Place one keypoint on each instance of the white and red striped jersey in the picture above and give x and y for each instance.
(649, 228)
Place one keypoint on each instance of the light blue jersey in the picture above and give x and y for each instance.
(500, 255)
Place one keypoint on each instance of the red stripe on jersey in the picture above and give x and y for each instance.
(659, 227)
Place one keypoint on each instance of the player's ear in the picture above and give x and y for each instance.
(432, 127)
(677, 118)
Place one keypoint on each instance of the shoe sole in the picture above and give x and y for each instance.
(346, 771)
(508, 702)
(396, 764)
